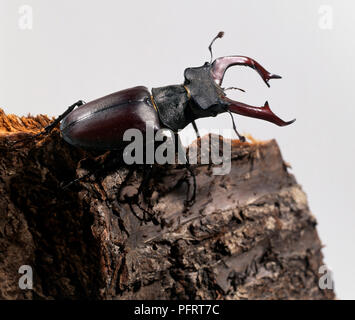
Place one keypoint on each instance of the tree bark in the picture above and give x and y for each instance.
(249, 234)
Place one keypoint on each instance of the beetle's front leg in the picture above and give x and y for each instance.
(241, 138)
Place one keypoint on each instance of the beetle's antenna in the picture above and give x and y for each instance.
(219, 35)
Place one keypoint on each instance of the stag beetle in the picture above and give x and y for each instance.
(101, 124)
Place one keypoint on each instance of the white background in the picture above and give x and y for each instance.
(86, 49)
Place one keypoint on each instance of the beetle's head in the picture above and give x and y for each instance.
(205, 87)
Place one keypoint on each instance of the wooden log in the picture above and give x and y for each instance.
(249, 235)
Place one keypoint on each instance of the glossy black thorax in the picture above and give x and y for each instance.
(198, 97)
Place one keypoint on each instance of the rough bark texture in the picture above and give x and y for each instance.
(249, 235)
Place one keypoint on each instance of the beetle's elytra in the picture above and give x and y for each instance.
(101, 124)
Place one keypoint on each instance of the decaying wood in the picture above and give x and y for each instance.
(249, 235)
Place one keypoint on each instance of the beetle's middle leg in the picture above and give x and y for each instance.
(196, 129)
(183, 156)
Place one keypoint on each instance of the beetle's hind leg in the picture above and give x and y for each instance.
(51, 126)
(47, 130)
